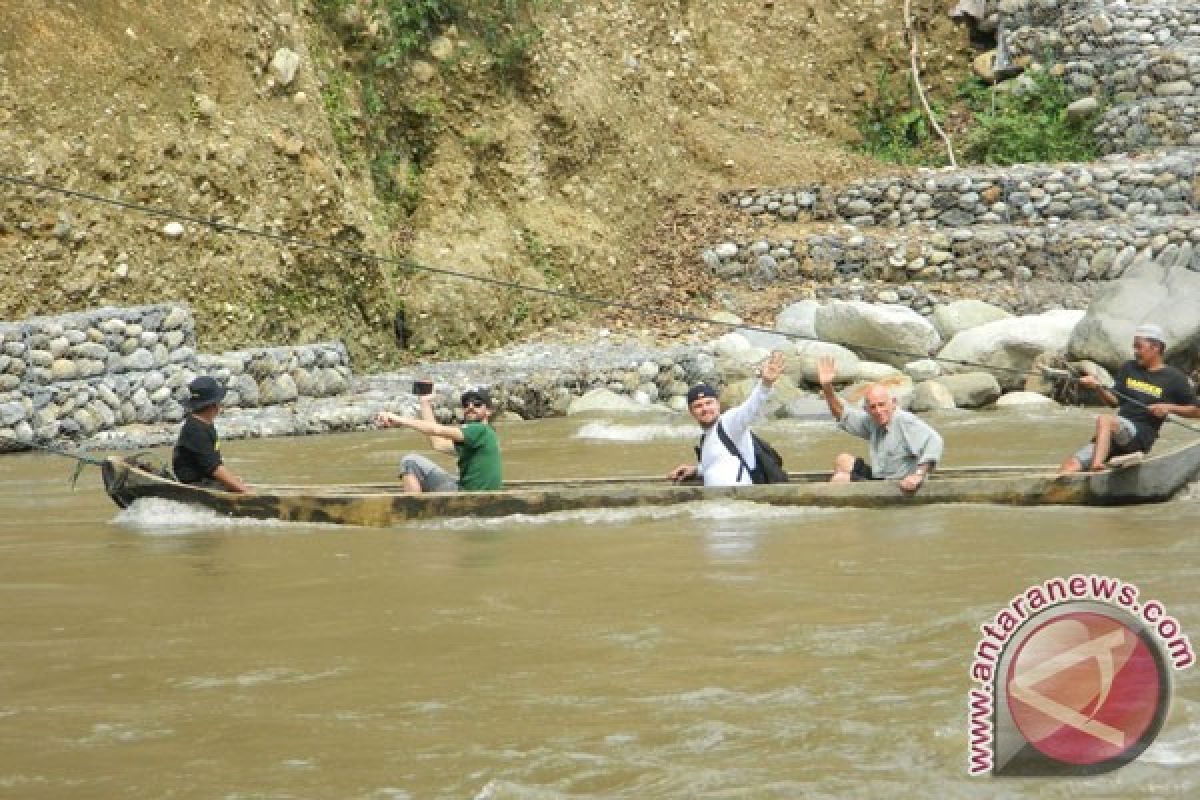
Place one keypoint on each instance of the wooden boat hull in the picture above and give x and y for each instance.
(1153, 480)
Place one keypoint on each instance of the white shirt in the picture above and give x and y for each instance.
(718, 466)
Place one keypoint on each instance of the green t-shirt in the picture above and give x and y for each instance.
(478, 458)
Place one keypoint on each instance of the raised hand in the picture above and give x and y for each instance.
(826, 370)
(772, 369)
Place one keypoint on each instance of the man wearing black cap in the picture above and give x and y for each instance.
(474, 442)
(1145, 391)
(718, 466)
(197, 457)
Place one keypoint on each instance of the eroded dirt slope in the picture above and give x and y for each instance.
(595, 172)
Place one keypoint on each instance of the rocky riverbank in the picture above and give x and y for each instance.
(963, 354)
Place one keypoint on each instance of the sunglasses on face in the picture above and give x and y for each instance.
(474, 404)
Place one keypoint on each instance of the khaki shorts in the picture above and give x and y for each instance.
(1122, 440)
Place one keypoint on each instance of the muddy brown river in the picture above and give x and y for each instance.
(716, 650)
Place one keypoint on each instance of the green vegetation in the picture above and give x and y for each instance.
(1024, 122)
(893, 126)
(542, 259)
(1030, 126)
(335, 97)
(377, 120)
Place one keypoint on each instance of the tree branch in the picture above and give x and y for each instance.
(911, 33)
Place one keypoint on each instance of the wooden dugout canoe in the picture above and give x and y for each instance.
(380, 505)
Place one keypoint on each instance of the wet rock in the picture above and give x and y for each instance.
(1023, 399)
(954, 318)
(799, 319)
(1148, 292)
(931, 396)
(603, 401)
(971, 389)
(1010, 345)
(808, 353)
(923, 370)
(891, 334)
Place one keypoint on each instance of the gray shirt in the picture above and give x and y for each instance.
(895, 450)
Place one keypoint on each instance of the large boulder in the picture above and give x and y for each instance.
(799, 319)
(901, 333)
(923, 369)
(737, 358)
(971, 389)
(1009, 345)
(954, 318)
(1148, 292)
(875, 371)
(1018, 399)
(764, 339)
(803, 366)
(730, 344)
(805, 405)
(604, 401)
(932, 396)
(783, 392)
(900, 386)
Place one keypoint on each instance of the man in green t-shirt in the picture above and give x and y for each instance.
(474, 442)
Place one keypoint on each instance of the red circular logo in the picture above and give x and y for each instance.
(1084, 688)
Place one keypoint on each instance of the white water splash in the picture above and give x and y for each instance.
(611, 432)
(103, 733)
(716, 510)
(259, 677)
(156, 516)
(1177, 751)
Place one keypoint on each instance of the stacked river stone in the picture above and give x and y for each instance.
(74, 375)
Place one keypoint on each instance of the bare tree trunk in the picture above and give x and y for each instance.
(911, 33)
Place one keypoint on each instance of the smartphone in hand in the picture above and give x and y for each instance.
(420, 388)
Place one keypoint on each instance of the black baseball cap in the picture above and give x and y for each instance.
(478, 395)
(700, 390)
(204, 392)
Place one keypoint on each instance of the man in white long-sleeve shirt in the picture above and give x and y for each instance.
(718, 466)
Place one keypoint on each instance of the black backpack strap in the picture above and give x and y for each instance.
(725, 440)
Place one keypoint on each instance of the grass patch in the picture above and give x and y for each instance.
(1031, 125)
(1026, 121)
(506, 30)
(377, 120)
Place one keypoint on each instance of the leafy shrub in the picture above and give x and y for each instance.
(1025, 122)
(1031, 124)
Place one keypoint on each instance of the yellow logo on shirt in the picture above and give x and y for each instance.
(1142, 386)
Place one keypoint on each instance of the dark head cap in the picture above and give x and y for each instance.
(478, 396)
(204, 392)
(700, 390)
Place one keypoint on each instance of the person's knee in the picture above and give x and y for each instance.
(844, 462)
(1106, 423)
(411, 464)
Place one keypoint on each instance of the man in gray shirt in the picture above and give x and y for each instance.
(901, 446)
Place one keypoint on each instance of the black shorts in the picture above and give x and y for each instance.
(862, 471)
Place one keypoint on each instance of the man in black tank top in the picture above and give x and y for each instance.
(1145, 391)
